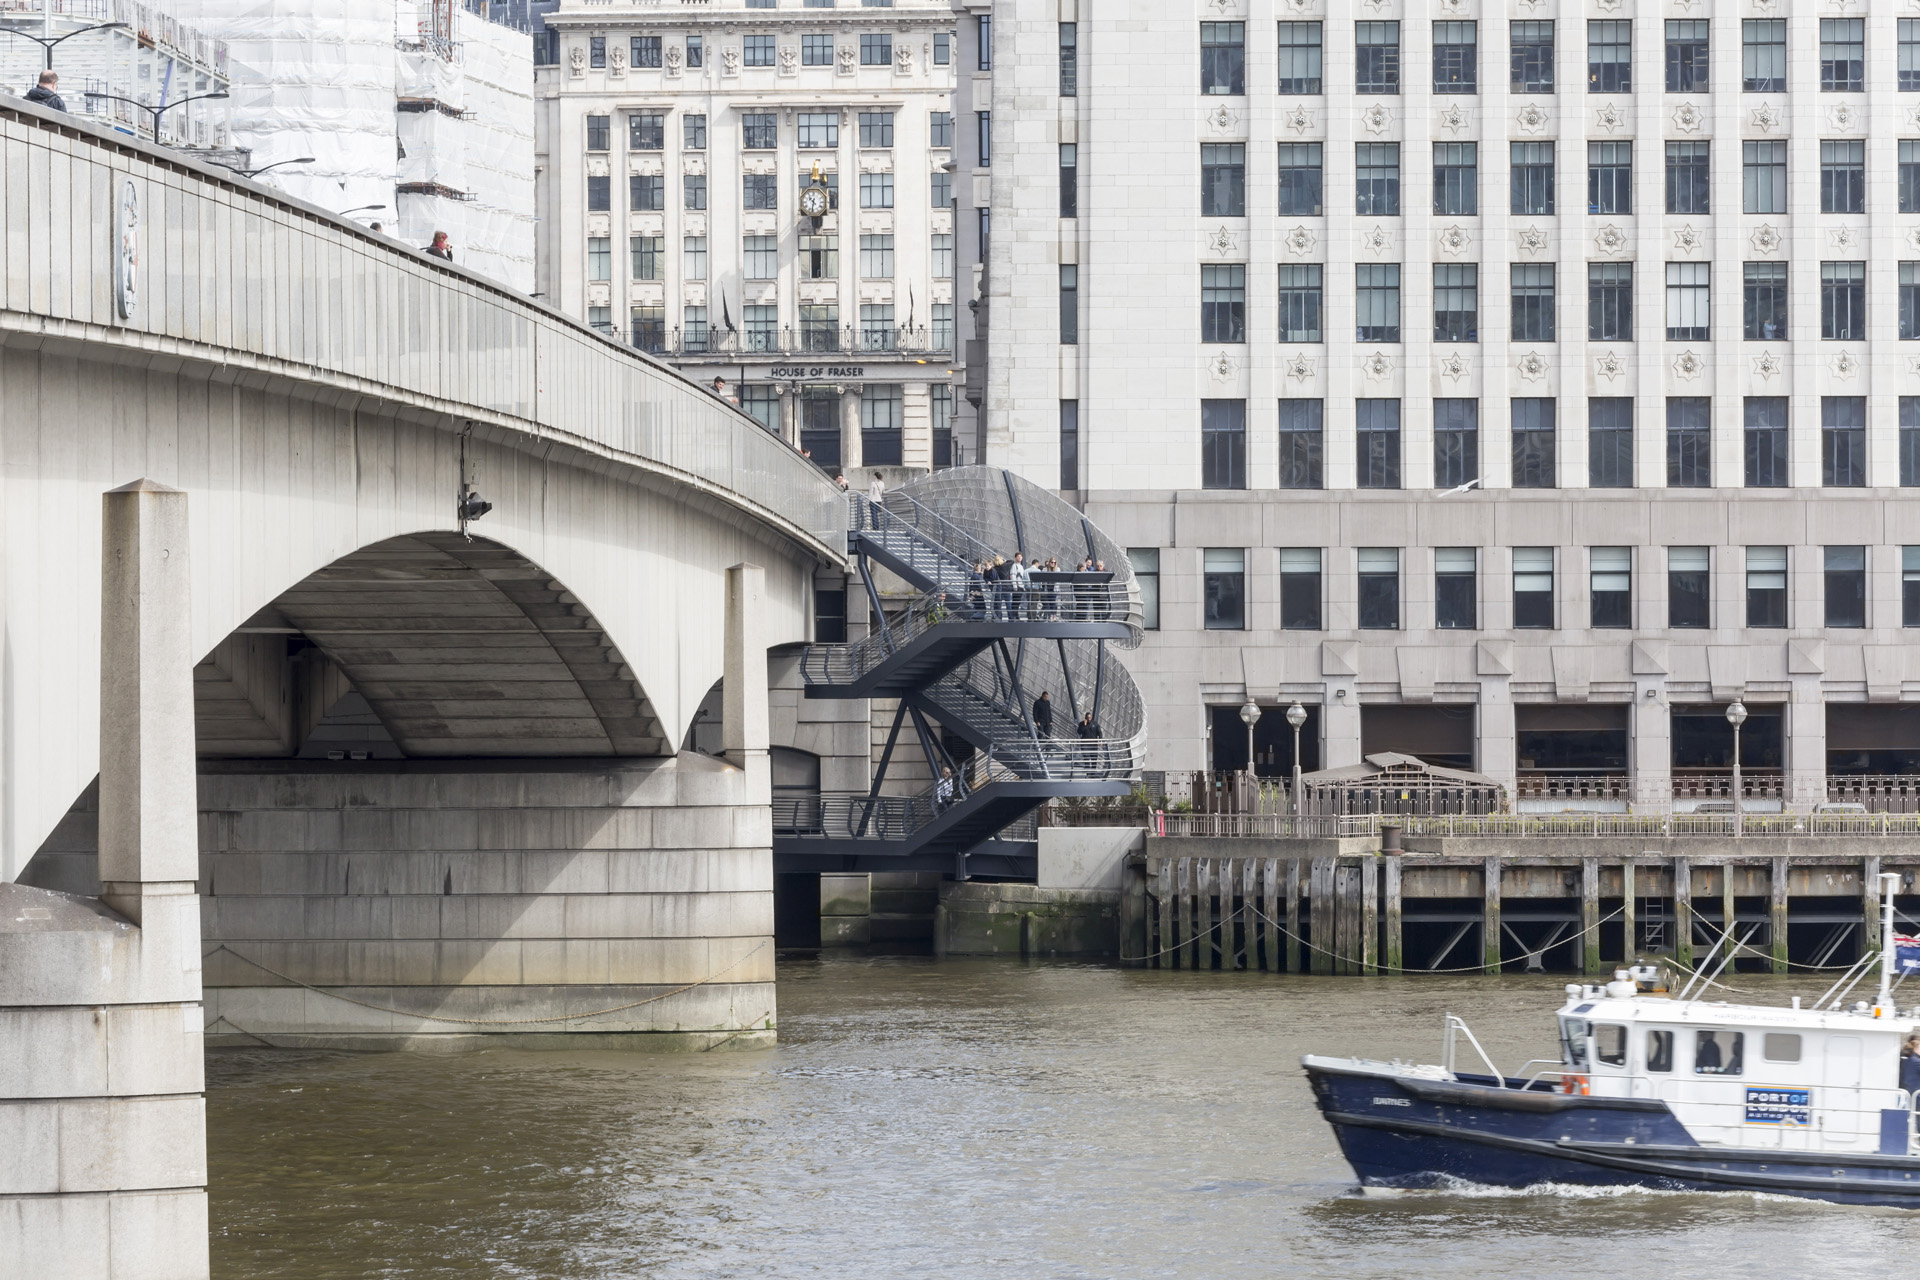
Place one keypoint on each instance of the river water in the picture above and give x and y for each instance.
(954, 1119)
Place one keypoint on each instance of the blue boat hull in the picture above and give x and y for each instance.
(1406, 1132)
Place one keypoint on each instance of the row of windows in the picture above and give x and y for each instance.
(819, 328)
(818, 258)
(1456, 56)
(1533, 296)
(1457, 589)
(1301, 178)
(647, 193)
(758, 49)
(1534, 433)
(817, 130)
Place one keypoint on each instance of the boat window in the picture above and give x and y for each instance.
(1573, 1042)
(1659, 1050)
(1718, 1053)
(1610, 1044)
(1781, 1046)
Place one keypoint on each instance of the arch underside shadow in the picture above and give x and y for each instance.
(461, 648)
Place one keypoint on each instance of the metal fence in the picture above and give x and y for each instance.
(1535, 826)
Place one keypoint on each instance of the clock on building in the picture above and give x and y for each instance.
(814, 199)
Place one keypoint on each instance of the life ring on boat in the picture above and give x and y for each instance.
(1575, 1085)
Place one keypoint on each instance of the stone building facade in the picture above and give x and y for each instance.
(1514, 384)
(675, 143)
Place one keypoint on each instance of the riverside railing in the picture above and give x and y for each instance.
(1546, 826)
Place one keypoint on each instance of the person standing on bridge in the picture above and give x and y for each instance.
(876, 494)
(1043, 715)
(46, 92)
(440, 248)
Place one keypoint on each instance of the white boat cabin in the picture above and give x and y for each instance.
(1746, 1076)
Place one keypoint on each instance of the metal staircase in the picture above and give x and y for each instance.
(966, 658)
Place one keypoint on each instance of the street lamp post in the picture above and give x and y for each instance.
(1250, 716)
(163, 108)
(365, 208)
(46, 43)
(1737, 716)
(1296, 716)
(265, 168)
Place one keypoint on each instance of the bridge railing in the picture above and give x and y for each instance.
(1536, 826)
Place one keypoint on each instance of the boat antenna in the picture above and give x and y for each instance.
(1883, 1006)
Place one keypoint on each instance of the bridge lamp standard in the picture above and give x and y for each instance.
(1296, 716)
(1250, 716)
(48, 41)
(1737, 716)
(157, 112)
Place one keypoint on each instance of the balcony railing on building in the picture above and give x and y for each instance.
(792, 340)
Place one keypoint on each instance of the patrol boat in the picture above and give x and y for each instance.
(1665, 1091)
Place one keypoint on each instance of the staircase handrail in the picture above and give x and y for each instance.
(935, 528)
(844, 663)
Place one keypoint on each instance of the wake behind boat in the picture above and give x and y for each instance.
(1676, 1093)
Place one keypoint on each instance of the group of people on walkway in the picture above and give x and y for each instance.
(1019, 590)
(1088, 727)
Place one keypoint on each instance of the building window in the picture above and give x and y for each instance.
(1069, 304)
(820, 326)
(647, 192)
(1300, 298)
(1766, 586)
(1223, 180)
(693, 257)
(1302, 440)
(693, 191)
(1532, 301)
(759, 401)
(1223, 58)
(1379, 301)
(597, 52)
(1909, 442)
(819, 130)
(759, 131)
(1688, 177)
(1300, 589)
(1223, 303)
(1456, 442)
(1224, 570)
(1456, 302)
(1531, 177)
(983, 27)
(1843, 301)
(1533, 588)
(1609, 177)
(1531, 44)
(1765, 430)
(876, 191)
(940, 398)
(1687, 56)
(1456, 57)
(1610, 301)
(880, 418)
(599, 133)
(1689, 442)
(940, 128)
(1456, 178)
(649, 331)
(1843, 442)
(1377, 179)
(1763, 301)
(757, 50)
(1846, 586)
(1688, 304)
(983, 137)
(816, 50)
(1376, 57)
(1910, 586)
(649, 257)
(819, 257)
(1377, 426)
(696, 53)
(1610, 586)
(1609, 57)
(1843, 176)
(1610, 442)
(820, 426)
(1069, 60)
(876, 128)
(693, 132)
(876, 257)
(1689, 580)
(942, 190)
(1533, 443)
(1146, 573)
(762, 333)
(600, 319)
(1300, 184)
(599, 258)
(647, 131)
(1300, 57)
(1456, 572)
(599, 193)
(1069, 180)
(1763, 55)
(1843, 55)
(943, 256)
(762, 257)
(876, 49)
(942, 326)
(1379, 588)
(1763, 177)
(1907, 63)
(1069, 445)
(1223, 444)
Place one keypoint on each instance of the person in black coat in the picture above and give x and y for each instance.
(46, 92)
(1043, 715)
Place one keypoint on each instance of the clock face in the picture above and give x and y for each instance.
(813, 202)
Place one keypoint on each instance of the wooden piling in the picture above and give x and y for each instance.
(1249, 917)
(1293, 915)
(1202, 913)
(1320, 898)
(1396, 939)
(1590, 916)
(1870, 904)
(1183, 916)
(1490, 922)
(1729, 914)
(1683, 913)
(1629, 914)
(1777, 934)
(1370, 915)
(1163, 945)
(1270, 908)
